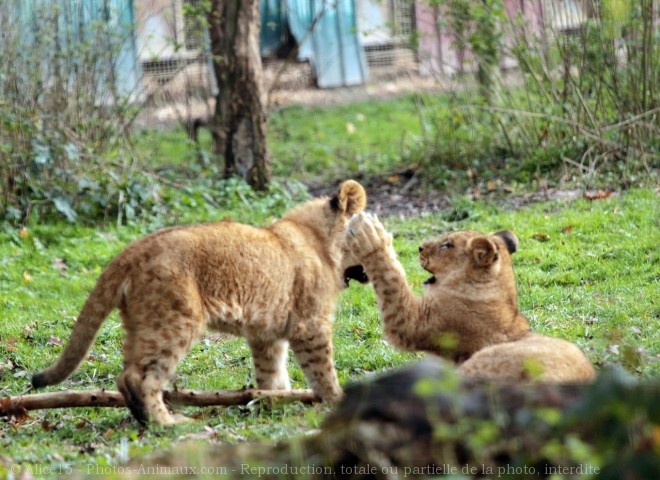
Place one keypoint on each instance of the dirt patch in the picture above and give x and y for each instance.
(382, 89)
(402, 195)
(391, 195)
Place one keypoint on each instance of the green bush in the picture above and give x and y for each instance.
(585, 110)
(59, 111)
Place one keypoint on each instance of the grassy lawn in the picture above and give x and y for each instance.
(309, 142)
(586, 271)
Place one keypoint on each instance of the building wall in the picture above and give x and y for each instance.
(437, 52)
(77, 24)
(384, 30)
(158, 25)
(172, 63)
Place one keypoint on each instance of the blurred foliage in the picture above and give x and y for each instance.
(424, 422)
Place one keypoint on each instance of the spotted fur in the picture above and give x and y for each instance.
(469, 309)
(275, 286)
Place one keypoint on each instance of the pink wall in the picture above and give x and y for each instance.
(437, 53)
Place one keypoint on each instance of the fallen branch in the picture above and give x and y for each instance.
(109, 398)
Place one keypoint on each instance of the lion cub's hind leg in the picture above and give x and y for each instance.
(130, 386)
(146, 375)
(314, 354)
(270, 364)
(143, 393)
(152, 352)
(144, 378)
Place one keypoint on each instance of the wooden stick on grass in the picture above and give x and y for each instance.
(109, 398)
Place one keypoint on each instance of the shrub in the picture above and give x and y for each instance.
(585, 107)
(60, 109)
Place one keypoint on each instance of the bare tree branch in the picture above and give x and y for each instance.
(109, 398)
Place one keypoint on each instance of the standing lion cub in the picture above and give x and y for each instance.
(469, 309)
(276, 286)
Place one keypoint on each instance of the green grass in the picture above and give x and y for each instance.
(586, 271)
(368, 137)
(450, 144)
(304, 142)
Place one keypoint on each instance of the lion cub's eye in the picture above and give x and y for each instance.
(447, 245)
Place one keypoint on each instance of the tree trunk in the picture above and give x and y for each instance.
(239, 122)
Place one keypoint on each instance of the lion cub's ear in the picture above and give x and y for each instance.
(510, 240)
(483, 251)
(350, 199)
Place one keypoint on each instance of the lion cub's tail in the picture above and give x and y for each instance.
(103, 299)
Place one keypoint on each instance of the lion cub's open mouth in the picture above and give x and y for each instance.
(423, 262)
(356, 272)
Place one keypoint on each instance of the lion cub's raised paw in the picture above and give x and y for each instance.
(366, 235)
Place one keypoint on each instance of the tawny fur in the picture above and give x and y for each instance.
(469, 309)
(276, 286)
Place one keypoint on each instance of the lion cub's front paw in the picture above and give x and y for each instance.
(366, 234)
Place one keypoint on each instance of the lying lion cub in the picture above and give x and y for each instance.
(469, 309)
(275, 286)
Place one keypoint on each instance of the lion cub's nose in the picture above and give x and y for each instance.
(421, 249)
